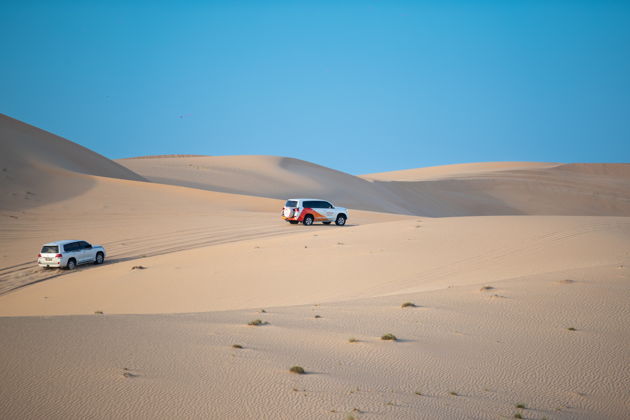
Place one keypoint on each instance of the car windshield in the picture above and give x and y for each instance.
(50, 249)
(290, 203)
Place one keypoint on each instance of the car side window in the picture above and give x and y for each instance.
(84, 245)
(310, 204)
(70, 247)
(327, 205)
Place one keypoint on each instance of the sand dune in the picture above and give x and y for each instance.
(496, 188)
(457, 170)
(329, 264)
(266, 176)
(523, 309)
(461, 353)
(39, 167)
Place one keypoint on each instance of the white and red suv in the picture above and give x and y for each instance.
(311, 210)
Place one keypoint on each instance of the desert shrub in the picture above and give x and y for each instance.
(389, 336)
(297, 369)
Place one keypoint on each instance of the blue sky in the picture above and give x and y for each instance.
(360, 86)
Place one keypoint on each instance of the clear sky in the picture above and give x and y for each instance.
(360, 86)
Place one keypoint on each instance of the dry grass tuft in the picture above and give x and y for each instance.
(257, 322)
(408, 305)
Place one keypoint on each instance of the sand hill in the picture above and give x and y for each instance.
(39, 167)
(524, 312)
(495, 188)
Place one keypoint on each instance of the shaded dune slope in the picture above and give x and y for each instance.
(38, 167)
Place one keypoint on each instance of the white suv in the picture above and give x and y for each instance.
(311, 210)
(69, 254)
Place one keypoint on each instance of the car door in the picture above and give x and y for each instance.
(328, 210)
(73, 251)
(85, 252)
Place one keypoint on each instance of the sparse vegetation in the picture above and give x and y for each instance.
(389, 336)
(317, 316)
(237, 346)
(571, 329)
(518, 416)
(262, 311)
(484, 288)
(408, 305)
(418, 393)
(353, 340)
(257, 322)
(297, 369)
(453, 393)
(521, 405)
(98, 312)
(138, 267)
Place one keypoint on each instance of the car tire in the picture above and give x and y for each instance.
(72, 264)
(326, 223)
(308, 220)
(293, 222)
(100, 257)
(341, 220)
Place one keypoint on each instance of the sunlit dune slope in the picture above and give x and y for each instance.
(495, 188)
(333, 264)
(266, 176)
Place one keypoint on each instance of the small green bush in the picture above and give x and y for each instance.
(389, 336)
(297, 369)
(257, 322)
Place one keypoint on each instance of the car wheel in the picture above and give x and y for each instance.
(99, 258)
(72, 264)
(293, 222)
(326, 223)
(308, 220)
(341, 220)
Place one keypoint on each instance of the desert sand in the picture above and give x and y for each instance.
(520, 297)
